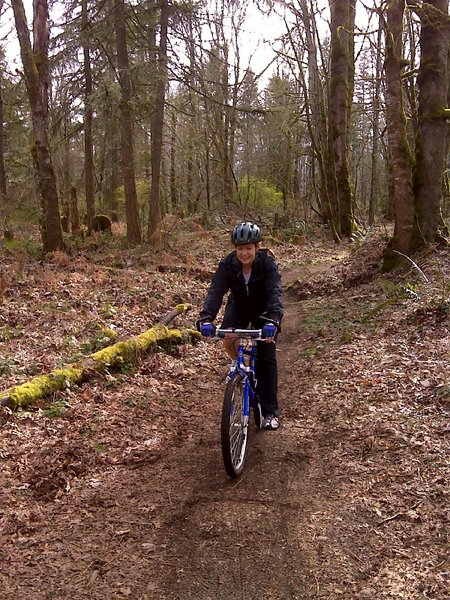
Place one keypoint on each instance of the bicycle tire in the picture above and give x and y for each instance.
(234, 427)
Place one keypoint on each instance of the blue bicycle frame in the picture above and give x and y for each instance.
(240, 397)
(245, 368)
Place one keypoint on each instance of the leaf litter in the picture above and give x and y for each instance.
(115, 489)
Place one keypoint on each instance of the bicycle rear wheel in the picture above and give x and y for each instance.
(234, 427)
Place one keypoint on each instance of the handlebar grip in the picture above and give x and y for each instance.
(272, 321)
(202, 320)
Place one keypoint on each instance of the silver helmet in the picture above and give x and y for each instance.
(246, 233)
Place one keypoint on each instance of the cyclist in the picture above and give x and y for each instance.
(252, 277)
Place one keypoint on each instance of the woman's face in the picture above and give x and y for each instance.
(246, 254)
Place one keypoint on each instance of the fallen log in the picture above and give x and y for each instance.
(99, 362)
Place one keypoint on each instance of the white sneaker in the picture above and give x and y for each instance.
(271, 422)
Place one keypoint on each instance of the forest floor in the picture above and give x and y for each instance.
(116, 489)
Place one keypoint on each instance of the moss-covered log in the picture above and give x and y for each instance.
(108, 358)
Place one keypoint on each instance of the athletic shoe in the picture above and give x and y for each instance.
(270, 422)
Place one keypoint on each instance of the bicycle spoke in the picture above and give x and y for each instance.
(234, 437)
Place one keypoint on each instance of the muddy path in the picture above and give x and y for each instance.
(347, 500)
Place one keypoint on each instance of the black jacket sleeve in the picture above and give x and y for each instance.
(218, 288)
(274, 290)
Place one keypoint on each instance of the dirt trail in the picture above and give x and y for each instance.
(219, 539)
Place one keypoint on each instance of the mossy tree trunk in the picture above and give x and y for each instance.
(111, 172)
(35, 66)
(339, 110)
(173, 162)
(317, 107)
(316, 115)
(157, 125)
(433, 128)
(3, 188)
(399, 153)
(129, 182)
(376, 110)
(88, 115)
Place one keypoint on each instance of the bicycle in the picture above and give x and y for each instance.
(240, 393)
(240, 397)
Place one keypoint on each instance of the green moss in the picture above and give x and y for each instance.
(38, 387)
(181, 308)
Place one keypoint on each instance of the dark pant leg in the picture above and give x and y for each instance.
(267, 378)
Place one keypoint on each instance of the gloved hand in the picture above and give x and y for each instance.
(269, 330)
(207, 329)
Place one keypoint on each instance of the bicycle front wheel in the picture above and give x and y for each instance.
(234, 427)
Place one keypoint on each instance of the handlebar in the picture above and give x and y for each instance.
(234, 330)
(255, 334)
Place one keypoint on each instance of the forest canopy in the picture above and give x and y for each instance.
(140, 109)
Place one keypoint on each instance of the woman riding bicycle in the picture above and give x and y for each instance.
(253, 279)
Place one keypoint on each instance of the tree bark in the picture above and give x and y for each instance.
(129, 182)
(399, 156)
(316, 111)
(157, 128)
(35, 66)
(88, 116)
(173, 162)
(376, 109)
(433, 128)
(3, 188)
(339, 109)
(73, 211)
(111, 177)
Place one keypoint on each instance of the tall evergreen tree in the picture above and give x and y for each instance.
(433, 127)
(127, 152)
(35, 65)
(339, 110)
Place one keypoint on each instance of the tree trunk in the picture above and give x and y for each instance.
(339, 107)
(88, 143)
(35, 66)
(173, 162)
(400, 158)
(433, 129)
(111, 177)
(73, 212)
(3, 188)
(376, 106)
(157, 128)
(317, 111)
(228, 133)
(207, 174)
(129, 183)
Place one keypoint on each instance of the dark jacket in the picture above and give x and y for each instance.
(263, 296)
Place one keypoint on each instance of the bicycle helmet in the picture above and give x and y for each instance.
(246, 233)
